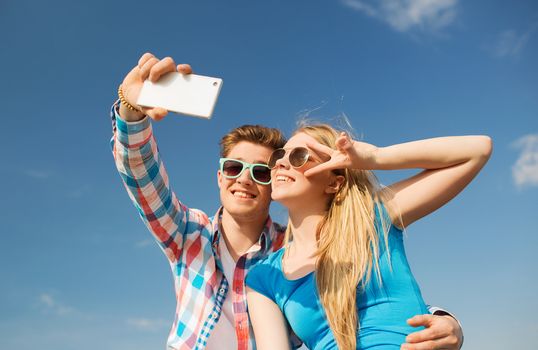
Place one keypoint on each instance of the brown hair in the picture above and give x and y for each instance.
(257, 134)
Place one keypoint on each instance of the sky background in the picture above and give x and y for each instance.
(78, 269)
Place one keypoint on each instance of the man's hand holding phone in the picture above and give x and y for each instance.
(149, 67)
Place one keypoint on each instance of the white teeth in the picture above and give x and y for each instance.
(284, 178)
(243, 194)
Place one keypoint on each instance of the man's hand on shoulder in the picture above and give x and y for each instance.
(441, 332)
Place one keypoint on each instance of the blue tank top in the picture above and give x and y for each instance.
(383, 308)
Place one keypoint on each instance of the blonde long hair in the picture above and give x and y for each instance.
(348, 244)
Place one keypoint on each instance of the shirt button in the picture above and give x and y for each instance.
(221, 291)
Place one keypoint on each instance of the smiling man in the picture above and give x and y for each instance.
(210, 256)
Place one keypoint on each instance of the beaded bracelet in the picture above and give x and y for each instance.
(124, 101)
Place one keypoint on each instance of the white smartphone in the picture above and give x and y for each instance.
(190, 94)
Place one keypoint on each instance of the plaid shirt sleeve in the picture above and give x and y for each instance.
(144, 176)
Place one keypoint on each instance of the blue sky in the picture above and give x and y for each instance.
(78, 268)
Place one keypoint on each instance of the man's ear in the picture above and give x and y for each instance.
(219, 178)
(336, 182)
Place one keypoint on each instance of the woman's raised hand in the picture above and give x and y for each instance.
(348, 154)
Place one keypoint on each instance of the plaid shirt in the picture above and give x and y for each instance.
(189, 238)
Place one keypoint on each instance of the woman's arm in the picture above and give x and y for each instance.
(268, 322)
(450, 164)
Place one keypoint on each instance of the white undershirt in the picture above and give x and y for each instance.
(223, 335)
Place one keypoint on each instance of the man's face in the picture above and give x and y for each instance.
(242, 197)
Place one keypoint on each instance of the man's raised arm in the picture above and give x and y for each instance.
(139, 163)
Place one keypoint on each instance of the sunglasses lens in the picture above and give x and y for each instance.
(298, 157)
(275, 156)
(232, 168)
(261, 174)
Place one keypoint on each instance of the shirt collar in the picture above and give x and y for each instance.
(267, 236)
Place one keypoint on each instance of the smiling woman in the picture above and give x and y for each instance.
(343, 266)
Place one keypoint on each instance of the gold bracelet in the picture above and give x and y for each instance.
(125, 103)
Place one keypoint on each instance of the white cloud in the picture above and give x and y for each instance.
(146, 324)
(525, 171)
(80, 192)
(145, 243)
(510, 43)
(404, 15)
(38, 174)
(50, 304)
(47, 300)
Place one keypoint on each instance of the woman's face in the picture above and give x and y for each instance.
(291, 187)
